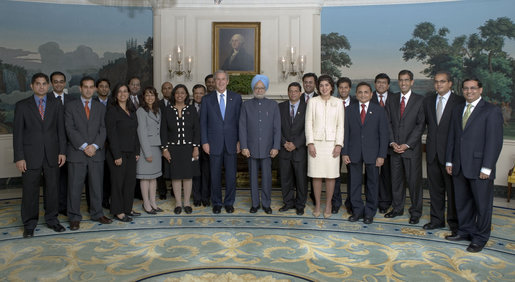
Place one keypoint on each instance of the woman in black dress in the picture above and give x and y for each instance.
(123, 153)
(180, 139)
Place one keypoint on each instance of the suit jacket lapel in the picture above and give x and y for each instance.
(449, 105)
(432, 111)
(217, 105)
(33, 107)
(474, 114)
(407, 108)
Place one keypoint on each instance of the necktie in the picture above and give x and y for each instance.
(222, 105)
(41, 109)
(439, 109)
(403, 106)
(292, 113)
(307, 98)
(363, 113)
(86, 108)
(60, 99)
(466, 115)
(381, 100)
(135, 101)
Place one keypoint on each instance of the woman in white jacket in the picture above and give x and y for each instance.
(324, 137)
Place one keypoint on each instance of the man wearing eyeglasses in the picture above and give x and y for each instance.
(474, 144)
(438, 108)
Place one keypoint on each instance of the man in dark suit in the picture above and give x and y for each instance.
(438, 108)
(135, 91)
(406, 125)
(58, 81)
(166, 90)
(309, 82)
(344, 85)
(85, 128)
(365, 142)
(201, 191)
(39, 142)
(103, 89)
(219, 118)
(239, 59)
(474, 144)
(293, 154)
(380, 96)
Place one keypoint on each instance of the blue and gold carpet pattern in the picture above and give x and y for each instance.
(246, 247)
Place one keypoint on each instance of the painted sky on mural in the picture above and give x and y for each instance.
(26, 25)
(376, 33)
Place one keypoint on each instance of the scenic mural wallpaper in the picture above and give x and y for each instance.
(78, 40)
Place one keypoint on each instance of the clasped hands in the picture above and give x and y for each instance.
(246, 153)
(399, 149)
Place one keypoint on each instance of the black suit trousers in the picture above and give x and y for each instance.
(474, 203)
(371, 191)
(441, 185)
(385, 184)
(123, 182)
(30, 198)
(201, 189)
(294, 182)
(406, 171)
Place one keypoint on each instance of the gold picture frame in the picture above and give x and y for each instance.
(236, 47)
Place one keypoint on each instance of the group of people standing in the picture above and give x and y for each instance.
(143, 140)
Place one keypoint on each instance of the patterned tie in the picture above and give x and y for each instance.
(403, 106)
(439, 109)
(41, 109)
(135, 101)
(60, 99)
(381, 100)
(86, 108)
(466, 115)
(292, 113)
(222, 105)
(363, 113)
(307, 98)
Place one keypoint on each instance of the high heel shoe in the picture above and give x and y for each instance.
(151, 211)
(316, 213)
(157, 209)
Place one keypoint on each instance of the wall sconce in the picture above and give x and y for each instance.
(179, 53)
(291, 70)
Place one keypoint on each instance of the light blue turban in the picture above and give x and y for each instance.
(262, 78)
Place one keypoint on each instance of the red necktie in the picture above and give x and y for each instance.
(403, 106)
(41, 109)
(381, 100)
(86, 108)
(363, 113)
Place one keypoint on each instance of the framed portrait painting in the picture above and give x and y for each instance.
(236, 47)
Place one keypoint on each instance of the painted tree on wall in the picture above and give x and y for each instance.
(333, 55)
(478, 55)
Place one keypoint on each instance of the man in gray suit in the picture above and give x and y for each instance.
(260, 139)
(85, 127)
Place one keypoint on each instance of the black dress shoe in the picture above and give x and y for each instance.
(229, 209)
(354, 218)
(268, 210)
(74, 225)
(457, 237)
(188, 210)
(335, 210)
(431, 226)
(253, 209)
(393, 214)
(217, 209)
(28, 233)
(474, 248)
(368, 220)
(284, 208)
(414, 220)
(197, 203)
(206, 203)
(151, 211)
(57, 227)
(300, 211)
(133, 213)
(162, 197)
(177, 210)
(381, 210)
(125, 218)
